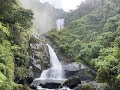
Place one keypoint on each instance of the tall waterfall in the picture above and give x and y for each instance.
(55, 71)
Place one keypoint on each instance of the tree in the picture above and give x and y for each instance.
(6, 7)
(106, 38)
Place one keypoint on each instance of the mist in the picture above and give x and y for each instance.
(44, 18)
(55, 3)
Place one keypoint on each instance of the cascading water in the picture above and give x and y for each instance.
(54, 74)
(55, 71)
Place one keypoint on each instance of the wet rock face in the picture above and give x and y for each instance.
(72, 82)
(36, 69)
(39, 57)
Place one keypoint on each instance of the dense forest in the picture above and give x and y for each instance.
(15, 32)
(92, 37)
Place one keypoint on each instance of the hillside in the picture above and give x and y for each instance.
(94, 39)
(15, 32)
(91, 38)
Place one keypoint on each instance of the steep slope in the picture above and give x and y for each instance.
(94, 40)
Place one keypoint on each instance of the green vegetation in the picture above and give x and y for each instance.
(83, 9)
(94, 39)
(87, 86)
(15, 25)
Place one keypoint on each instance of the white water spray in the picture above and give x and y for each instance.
(55, 71)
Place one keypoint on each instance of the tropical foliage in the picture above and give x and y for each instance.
(94, 39)
(15, 25)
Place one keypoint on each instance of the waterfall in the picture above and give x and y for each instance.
(55, 72)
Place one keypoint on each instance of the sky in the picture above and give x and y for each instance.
(65, 4)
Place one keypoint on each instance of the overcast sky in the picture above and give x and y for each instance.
(65, 4)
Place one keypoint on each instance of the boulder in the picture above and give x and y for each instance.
(71, 69)
(72, 82)
(80, 70)
(51, 85)
(34, 84)
(85, 75)
(47, 83)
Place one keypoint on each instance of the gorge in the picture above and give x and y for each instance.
(83, 55)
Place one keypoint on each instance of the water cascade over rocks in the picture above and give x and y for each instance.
(53, 75)
(55, 72)
(54, 78)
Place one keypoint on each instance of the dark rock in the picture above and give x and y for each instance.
(80, 70)
(36, 68)
(47, 83)
(72, 82)
(85, 75)
(34, 84)
(51, 85)
(26, 80)
(29, 80)
(33, 87)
